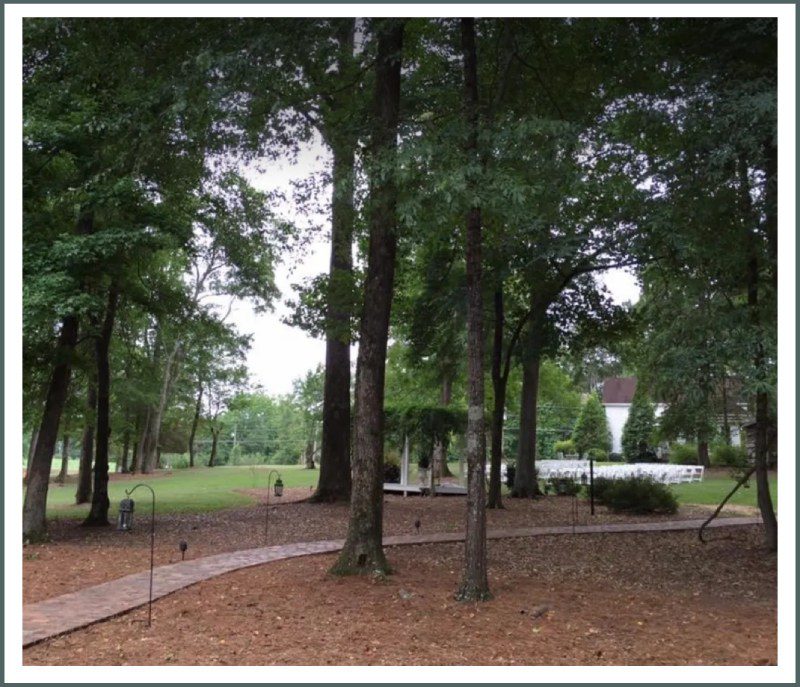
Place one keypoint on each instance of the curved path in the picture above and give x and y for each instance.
(71, 611)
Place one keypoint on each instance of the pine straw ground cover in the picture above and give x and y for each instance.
(80, 557)
(656, 598)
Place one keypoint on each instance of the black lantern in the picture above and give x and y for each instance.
(125, 521)
(279, 487)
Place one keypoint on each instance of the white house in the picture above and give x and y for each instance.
(617, 397)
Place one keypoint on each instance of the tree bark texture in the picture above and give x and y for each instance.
(83, 492)
(34, 523)
(762, 399)
(525, 483)
(474, 582)
(363, 548)
(198, 406)
(98, 513)
(334, 473)
(499, 385)
(62, 473)
(126, 445)
(212, 459)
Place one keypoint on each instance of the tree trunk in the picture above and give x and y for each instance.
(126, 443)
(62, 475)
(195, 421)
(474, 582)
(31, 448)
(363, 548)
(525, 483)
(762, 399)
(308, 457)
(499, 385)
(213, 457)
(98, 514)
(726, 425)
(140, 451)
(440, 468)
(702, 451)
(83, 493)
(334, 474)
(34, 523)
(150, 456)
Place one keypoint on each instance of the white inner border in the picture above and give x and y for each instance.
(15, 672)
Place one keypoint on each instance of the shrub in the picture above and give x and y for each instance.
(591, 430)
(615, 457)
(683, 454)
(601, 485)
(729, 456)
(391, 473)
(511, 471)
(598, 454)
(562, 486)
(639, 495)
(567, 446)
(637, 434)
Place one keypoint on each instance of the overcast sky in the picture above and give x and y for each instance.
(281, 353)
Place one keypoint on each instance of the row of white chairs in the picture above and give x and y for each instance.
(666, 474)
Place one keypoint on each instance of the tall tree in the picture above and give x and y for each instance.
(475, 581)
(363, 548)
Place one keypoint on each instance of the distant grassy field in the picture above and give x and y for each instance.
(195, 490)
(209, 489)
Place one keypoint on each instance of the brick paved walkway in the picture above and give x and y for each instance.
(86, 606)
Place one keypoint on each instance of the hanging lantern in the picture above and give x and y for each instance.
(279, 487)
(125, 521)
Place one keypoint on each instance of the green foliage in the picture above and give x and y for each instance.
(637, 434)
(591, 430)
(565, 446)
(683, 454)
(562, 486)
(637, 495)
(425, 426)
(729, 456)
(598, 454)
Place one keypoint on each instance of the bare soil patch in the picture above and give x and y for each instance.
(621, 599)
(79, 557)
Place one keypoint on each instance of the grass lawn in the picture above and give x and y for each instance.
(715, 487)
(209, 489)
(195, 490)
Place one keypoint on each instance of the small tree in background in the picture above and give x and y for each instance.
(591, 430)
(640, 425)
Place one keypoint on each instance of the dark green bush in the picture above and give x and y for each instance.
(638, 495)
(616, 457)
(391, 473)
(683, 454)
(511, 472)
(562, 486)
(729, 456)
(598, 454)
(601, 485)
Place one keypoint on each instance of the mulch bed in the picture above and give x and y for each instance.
(621, 599)
(79, 557)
